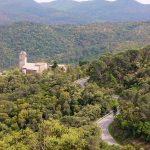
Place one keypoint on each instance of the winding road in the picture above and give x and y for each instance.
(104, 123)
(82, 81)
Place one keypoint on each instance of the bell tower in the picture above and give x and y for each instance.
(22, 59)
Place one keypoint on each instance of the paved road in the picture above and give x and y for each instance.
(104, 124)
(82, 82)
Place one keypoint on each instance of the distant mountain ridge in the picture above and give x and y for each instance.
(29, 10)
(72, 12)
(61, 5)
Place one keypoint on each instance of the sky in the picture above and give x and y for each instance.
(141, 1)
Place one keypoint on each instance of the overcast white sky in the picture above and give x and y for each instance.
(142, 1)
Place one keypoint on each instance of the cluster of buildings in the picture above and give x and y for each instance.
(30, 68)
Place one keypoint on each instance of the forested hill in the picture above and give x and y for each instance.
(70, 43)
(71, 12)
(124, 70)
(128, 74)
(50, 112)
(103, 10)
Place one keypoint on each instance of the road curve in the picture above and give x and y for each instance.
(104, 123)
(82, 81)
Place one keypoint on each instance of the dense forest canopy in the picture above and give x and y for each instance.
(50, 112)
(69, 43)
(129, 75)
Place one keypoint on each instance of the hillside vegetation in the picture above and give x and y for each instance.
(69, 44)
(128, 74)
(50, 112)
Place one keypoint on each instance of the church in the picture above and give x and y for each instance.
(30, 68)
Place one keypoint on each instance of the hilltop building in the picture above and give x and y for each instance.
(28, 68)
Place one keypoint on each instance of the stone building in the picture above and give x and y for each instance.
(28, 68)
